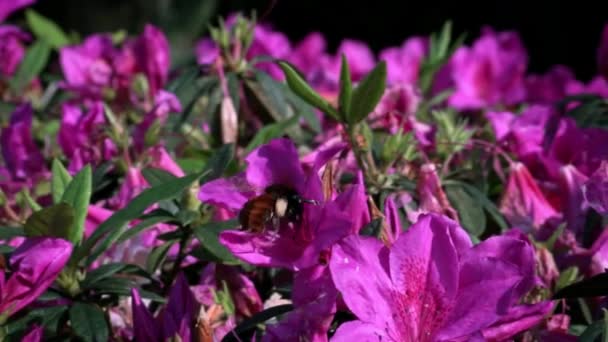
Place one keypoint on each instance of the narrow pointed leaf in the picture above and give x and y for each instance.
(59, 181)
(346, 87)
(302, 89)
(46, 29)
(53, 221)
(88, 322)
(78, 195)
(367, 94)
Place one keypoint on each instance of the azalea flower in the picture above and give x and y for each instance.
(431, 285)
(96, 67)
(523, 203)
(489, 73)
(35, 265)
(9, 6)
(82, 135)
(294, 247)
(314, 300)
(24, 161)
(176, 319)
(12, 49)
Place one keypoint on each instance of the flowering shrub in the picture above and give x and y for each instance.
(274, 190)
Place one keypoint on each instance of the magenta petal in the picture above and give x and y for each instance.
(493, 278)
(179, 314)
(144, 325)
(519, 319)
(359, 331)
(595, 190)
(262, 250)
(515, 251)
(37, 262)
(225, 193)
(34, 335)
(354, 202)
(359, 269)
(424, 258)
(275, 163)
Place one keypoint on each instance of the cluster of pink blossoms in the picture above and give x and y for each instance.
(393, 242)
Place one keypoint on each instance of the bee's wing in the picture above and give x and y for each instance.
(241, 185)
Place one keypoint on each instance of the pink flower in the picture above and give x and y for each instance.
(82, 135)
(22, 157)
(9, 6)
(431, 195)
(35, 264)
(96, 65)
(12, 49)
(403, 63)
(550, 87)
(314, 299)
(177, 318)
(294, 246)
(242, 290)
(523, 203)
(489, 73)
(431, 285)
(164, 104)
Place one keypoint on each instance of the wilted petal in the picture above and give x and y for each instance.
(37, 262)
(432, 197)
(595, 190)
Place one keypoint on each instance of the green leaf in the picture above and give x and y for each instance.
(47, 317)
(304, 110)
(469, 210)
(88, 322)
(346, 87)
(59, 181)
(566, 277)
(30, 201)
(144, 224)
(54, 221)
(33, 63)
(45, 29)
(487, 204)
(208, 236)
(248, 325)
(115, 224)
(302, 89)
(78, 195)
(367, 94)
(102, 272)
(270, 132)
(217, 164)
(158, 255)
(592, 332)
(7, 233)
(156, 176)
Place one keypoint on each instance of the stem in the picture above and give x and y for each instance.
(364, 158)
(181, 255)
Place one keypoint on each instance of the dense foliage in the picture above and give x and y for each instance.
(437, 191)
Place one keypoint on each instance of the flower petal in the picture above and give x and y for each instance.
(485, 290)
(359, 331)
(275, 163)
(359, 269)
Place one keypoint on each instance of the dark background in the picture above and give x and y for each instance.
(554, 32)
